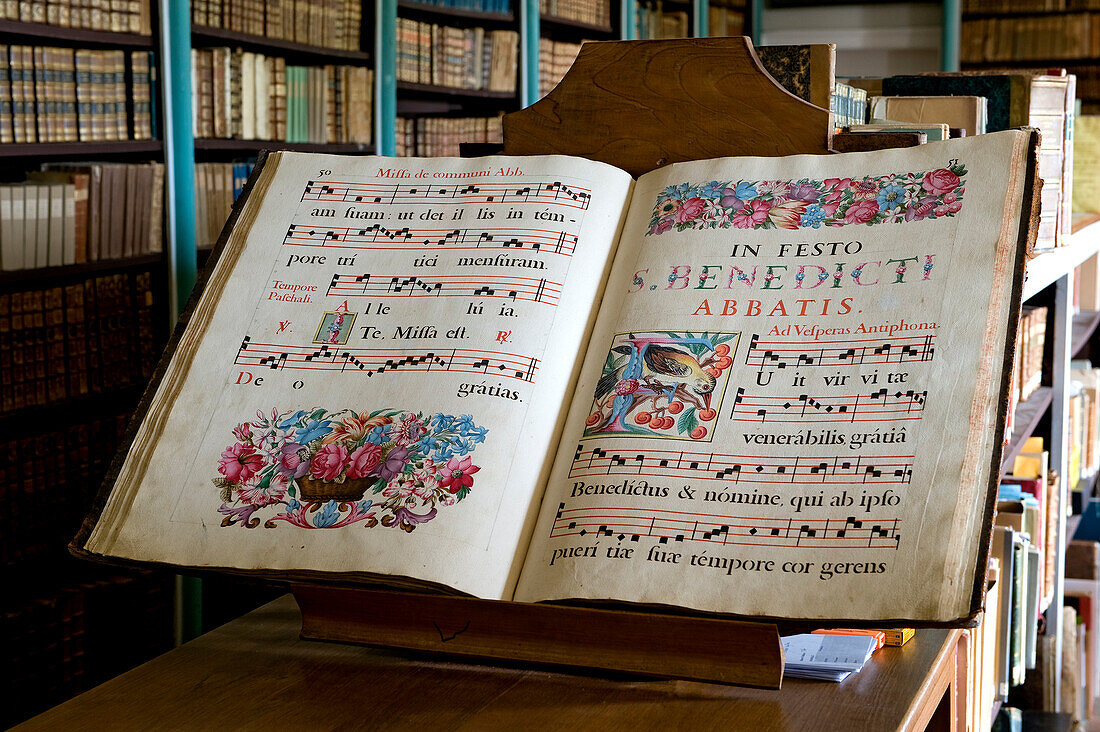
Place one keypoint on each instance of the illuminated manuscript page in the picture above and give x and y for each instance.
(788, 403)
(375, 377)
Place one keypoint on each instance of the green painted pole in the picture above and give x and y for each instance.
(702, 18)
(529, 31)
(385, 75)
(179, 165)
(952, 25)
(756, 20)
(628, 19)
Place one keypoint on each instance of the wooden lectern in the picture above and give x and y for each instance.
(637, 105)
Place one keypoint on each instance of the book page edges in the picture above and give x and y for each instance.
(95, 536)
(1021, 221)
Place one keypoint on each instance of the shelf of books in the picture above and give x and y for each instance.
(564, 26)
(83, 317)
(1007, 34)
(456, 74)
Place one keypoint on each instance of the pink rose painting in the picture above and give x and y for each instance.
(691, 209)
(329, 462)
(939, 182)
(364, 460)
(861, 212)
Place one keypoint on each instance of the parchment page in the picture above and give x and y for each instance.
(375, 378)
(789, 399)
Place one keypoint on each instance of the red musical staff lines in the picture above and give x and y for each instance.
(373, 361)
(554, 193)
(377, 236)
(877, 406)
(831, 470)
(856, 351)
(633, 524)
(531, 289)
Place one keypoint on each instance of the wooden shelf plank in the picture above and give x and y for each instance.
(446, 91)
(1028, 414)
(1053, 264)
(53, 274)
(1081, 220)
(207, 35)
(254, 146)
(552, 23)
(1084, 325)
(446, 13)
(57, 35)
(78, 149)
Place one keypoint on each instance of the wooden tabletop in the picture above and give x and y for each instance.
(255, 673)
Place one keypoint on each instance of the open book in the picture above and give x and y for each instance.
(760, 386)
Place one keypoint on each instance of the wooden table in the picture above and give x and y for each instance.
(255, 673)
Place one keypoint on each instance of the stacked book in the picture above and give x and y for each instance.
(590, 12)
(326, 23)
(250, 96)
(475, 59)
(131, 16)
(1030, 38)
(68, 95)
(79, 213)
(441, 136)
(654, 22)
(555, 58)
(825, 656)
(1012, 99)
(93, 336)
(849, 105)
(217, 186)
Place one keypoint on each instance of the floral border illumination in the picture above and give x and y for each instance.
(810, 204)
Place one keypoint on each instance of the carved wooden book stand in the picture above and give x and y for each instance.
(637, 105)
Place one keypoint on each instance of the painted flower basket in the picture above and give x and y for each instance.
(316, 468)
(351, 489)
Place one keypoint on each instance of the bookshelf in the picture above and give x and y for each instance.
(80, 150)
(440, 97)
(1016, 35)
(89, 332)
(304, 53)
